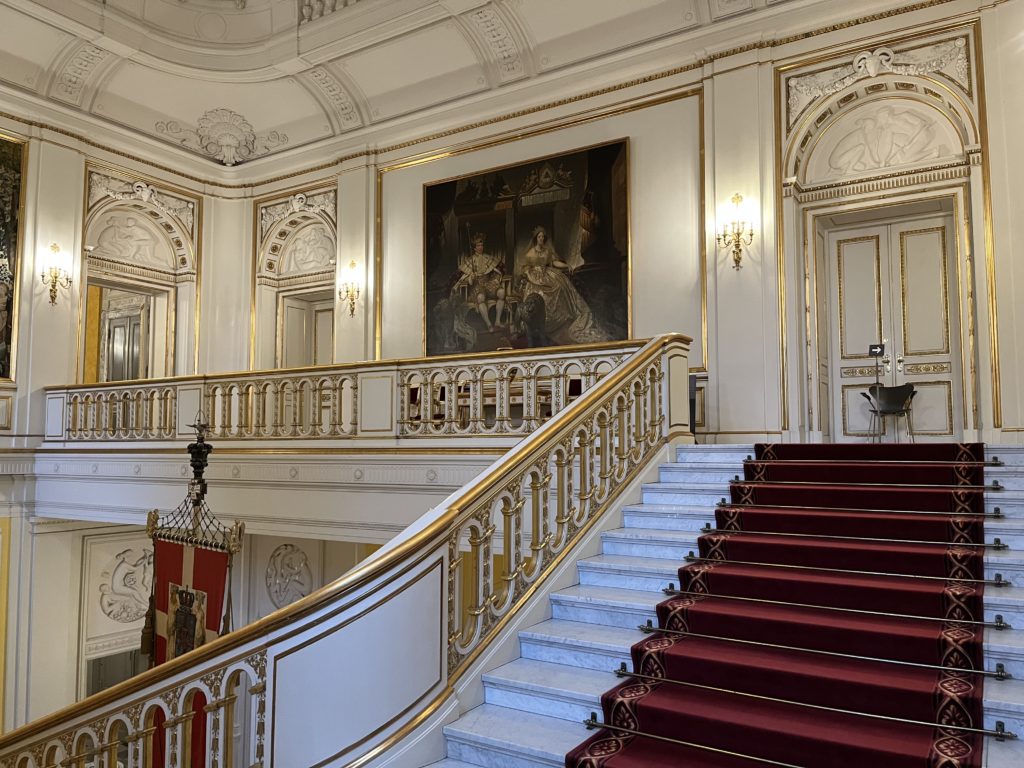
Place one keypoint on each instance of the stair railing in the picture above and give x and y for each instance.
(344, 674)
(481, 394)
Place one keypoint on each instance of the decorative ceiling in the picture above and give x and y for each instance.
(235, 80)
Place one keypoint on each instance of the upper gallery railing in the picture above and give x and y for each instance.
(341, 676)
(501, 393)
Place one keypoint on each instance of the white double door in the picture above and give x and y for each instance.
(895, 283)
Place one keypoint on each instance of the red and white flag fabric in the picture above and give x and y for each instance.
(189, 588)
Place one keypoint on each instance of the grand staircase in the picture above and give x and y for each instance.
(535, 706)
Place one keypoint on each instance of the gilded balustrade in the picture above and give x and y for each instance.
(440, 591)
(495, 394)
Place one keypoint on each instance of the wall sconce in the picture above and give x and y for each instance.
(736, 234)
(54, 273)
(350, 288)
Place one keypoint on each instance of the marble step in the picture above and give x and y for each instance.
(450, 763)
(577, 644)
(1009, 530)
(668, 517)
(1005, 646)
(1008, 562)
(545, 688)
(716, 454)
(500, 737)
(610, 606)
(1010, 477)
(1003, 754)
(1010, 455)
(699, 472)
(685, 494)
(642, 573)
(649, 542)
(1004, 701)
(1008, 602)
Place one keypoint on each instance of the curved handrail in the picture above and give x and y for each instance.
(433, 527)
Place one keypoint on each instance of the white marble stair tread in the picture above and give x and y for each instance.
(528, 680)
(671, 509)
(650, 534)
(514, 733)
(612, 606)
(641, 565)
(449, 762)
(1003, 754)
(614, 597)
(583, 636)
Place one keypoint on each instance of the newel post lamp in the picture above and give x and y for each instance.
(55, 273)
(736, 234)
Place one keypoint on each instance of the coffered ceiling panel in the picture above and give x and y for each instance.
(26, 47)
(568, 31)
(418, 70)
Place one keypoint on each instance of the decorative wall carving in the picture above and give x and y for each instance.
(127, 584)
(102, 186)
(879, 136)
(311, 250)
(948, 57)
(499, 38)
(885, 136)
(77, 70)
(311, 10)
(288, 575)
(338, 96)
(127, 239)
(224, 135)
(319, 202)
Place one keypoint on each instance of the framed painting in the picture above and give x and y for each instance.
(529, 255)
(12, 163)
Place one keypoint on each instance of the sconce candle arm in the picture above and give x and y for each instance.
(54, 277)
(736, 235)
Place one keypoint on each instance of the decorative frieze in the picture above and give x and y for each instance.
(496, 34)
(947, 57)
(74, 75)
(338, 96)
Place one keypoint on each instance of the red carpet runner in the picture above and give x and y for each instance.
(757, 616)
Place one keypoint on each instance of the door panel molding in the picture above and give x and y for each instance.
(840, 260)
(906, 284)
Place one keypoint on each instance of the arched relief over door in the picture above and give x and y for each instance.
(294, 290)
(140, 280)
(868, 136)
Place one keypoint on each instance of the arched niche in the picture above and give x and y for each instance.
(139, 278)
(874, 146)
(294, 294)
(889, 125)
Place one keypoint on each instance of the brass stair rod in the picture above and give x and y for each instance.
(592, 722)
(993, 462)
(996, 513)
(926, 486)
(997, 582)
(999, 733)
(997, 624)
(1000, 672)
(996, 544)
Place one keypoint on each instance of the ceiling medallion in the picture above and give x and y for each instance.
(223, 135)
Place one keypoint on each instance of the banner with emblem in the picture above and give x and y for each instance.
(191, 600)
(191, 584)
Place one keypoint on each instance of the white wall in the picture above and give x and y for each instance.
(664, 158)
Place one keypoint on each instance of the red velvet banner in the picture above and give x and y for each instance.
(190, 585)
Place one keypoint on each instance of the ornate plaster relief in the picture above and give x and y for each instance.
(224, 135)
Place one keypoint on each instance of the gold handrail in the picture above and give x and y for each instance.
(340, 367)
(434, 533)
